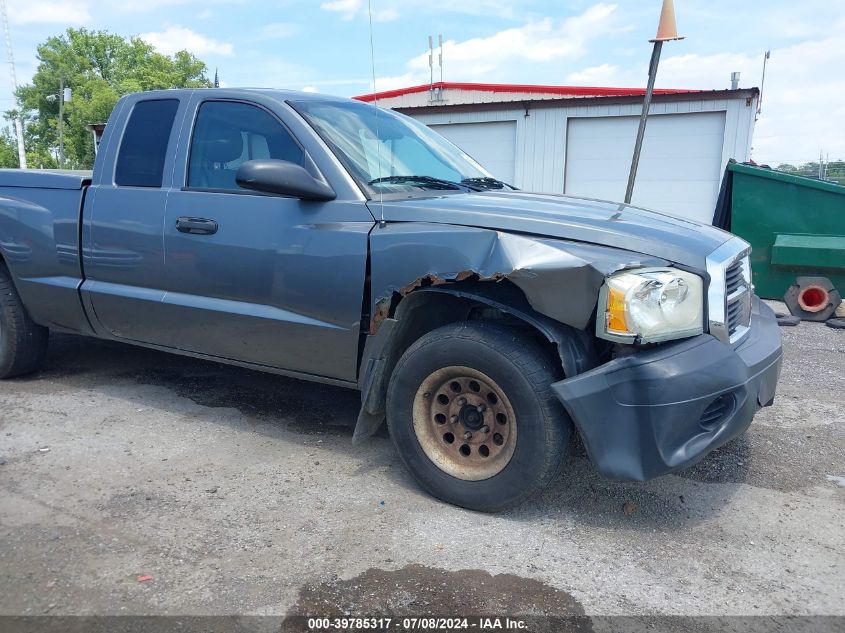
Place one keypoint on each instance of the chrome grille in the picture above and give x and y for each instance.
(730, 292)
(733, 277)
(738, 297)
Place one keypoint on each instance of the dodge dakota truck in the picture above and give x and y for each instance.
(331, 240)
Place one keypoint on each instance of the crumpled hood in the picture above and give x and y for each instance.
(578, 219)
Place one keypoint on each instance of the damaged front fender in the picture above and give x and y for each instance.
(560, 280)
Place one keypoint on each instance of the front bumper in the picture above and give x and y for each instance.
(661, 410)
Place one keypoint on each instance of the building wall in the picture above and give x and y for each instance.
(541, 130)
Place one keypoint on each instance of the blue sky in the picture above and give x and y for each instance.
(324, 45)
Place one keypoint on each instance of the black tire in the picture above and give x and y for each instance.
(23, 343)
(524, 371)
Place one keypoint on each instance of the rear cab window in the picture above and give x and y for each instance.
(143, 148)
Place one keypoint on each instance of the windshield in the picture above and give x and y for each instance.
(387, 152)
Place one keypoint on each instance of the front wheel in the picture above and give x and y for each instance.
(472, 415)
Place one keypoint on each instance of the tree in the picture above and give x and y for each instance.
(99, 67)
(834, 171)
(8, 149)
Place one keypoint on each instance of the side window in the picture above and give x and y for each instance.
(226, 135)
(143, 150)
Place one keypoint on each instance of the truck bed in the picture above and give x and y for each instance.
(40, 214)
(45, 178)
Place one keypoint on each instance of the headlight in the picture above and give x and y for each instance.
(649, 305)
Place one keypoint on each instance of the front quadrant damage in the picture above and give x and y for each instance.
(560, 280)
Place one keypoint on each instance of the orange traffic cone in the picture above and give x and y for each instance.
(666, 29)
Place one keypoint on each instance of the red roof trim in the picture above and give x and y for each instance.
(567, 91)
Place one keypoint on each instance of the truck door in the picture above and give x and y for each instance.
(265, 279)
(123, 255)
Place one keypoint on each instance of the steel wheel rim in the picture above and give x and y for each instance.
(464, 423)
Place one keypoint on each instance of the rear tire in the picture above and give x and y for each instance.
(23, 343)
(493, 460)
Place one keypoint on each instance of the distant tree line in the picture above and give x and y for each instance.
(833, 171)
(99, 67)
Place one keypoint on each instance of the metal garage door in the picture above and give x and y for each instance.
(680, 165)
(492, 144)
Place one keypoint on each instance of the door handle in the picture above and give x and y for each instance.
(196, 226)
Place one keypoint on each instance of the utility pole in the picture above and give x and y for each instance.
(666, 31)
(10, 58)
(62, 122)
(63, 96)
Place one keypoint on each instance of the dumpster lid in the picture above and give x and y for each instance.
(782, 176)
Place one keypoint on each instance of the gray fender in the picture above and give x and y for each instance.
(560, 279)
(557, 284)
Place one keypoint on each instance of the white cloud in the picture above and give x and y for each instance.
(803, 97)
(148, 6)
(65, 12)
(540, 41)
(386, 15)
(347, 8)
(177, 38)
(399, 81)
(602, 75)
(310, 89)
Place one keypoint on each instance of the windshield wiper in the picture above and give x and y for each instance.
(487, 183)
(427, 182)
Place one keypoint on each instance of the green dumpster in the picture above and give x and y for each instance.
(795, 225)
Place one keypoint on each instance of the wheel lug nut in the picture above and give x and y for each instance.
(462, 401)
(481, 408)
(454, 419)
(485, 429)
(467, 435)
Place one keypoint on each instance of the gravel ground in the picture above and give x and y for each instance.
(239, 492)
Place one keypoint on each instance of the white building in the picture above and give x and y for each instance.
(579, 141)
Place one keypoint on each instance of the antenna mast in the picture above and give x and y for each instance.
(430, 68)
(10, 58)
(440, 41)
(762, 84)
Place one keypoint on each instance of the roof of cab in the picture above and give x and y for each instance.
(281, 95)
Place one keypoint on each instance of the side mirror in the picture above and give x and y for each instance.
(282, 177)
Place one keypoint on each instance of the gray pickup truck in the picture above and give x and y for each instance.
(329, 240)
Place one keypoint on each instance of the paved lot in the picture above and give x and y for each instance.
(239, 492)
